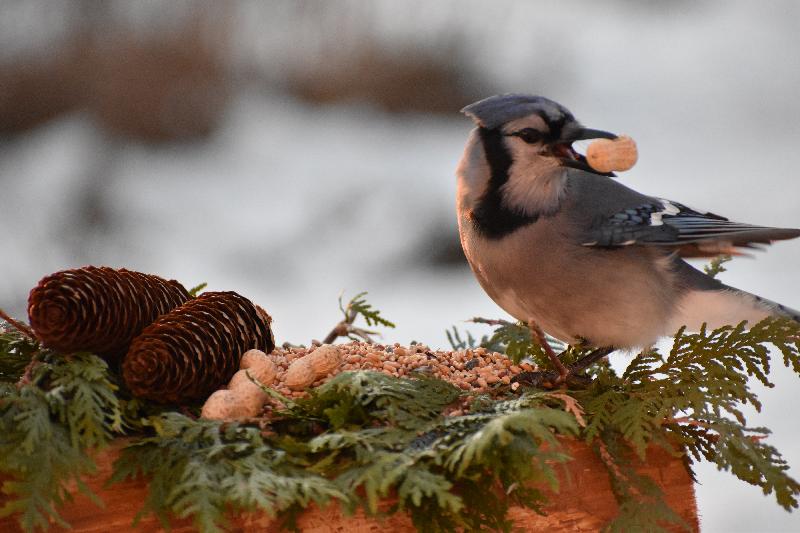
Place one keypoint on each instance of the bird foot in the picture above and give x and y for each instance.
(570, 376)
(551, 380)
(537, 332)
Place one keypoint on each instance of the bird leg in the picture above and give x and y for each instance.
(564, 374)
(562, 370)
(588, 360)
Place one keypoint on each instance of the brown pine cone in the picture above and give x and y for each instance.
(99, 309)
(194, 350)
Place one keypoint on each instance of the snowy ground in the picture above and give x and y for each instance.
(290, 204)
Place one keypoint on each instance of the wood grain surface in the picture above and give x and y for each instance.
(584, 503)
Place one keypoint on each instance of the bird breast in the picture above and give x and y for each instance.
(573, 292)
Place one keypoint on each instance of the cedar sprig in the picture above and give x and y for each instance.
(16, 352)
(715, 268)
(357, 306)
(457, 343)
(48, 425)
(641, 502)
(204, 469)
(382, 435)
(197, 289)
(360, 438)
(693, 397)
(355, 398)
(511, 338)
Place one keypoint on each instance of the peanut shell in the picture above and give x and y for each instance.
(241, 384)
(325, 359)
(300, 374)
(260, 365)
(251, 399)
(608, 155)
(227, 405)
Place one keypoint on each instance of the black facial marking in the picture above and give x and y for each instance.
(555, 125)
(491, 218)
(529, 135)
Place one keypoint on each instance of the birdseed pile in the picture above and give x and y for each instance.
(476, 370)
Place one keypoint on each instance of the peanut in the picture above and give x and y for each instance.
(299, 375)
(244, 387)
(260, 365)
(607, 155)
(325, 359)
(227, 405)
(319, 363)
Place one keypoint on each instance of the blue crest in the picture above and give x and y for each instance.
(497, 110)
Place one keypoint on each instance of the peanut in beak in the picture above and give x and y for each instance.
(608, 155)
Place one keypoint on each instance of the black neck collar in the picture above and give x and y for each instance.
(490, 216)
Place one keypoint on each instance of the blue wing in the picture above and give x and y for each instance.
(661, 222)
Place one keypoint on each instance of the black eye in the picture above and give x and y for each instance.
(529, 135)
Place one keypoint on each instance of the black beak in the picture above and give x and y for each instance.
(588, 133)
(570, 158)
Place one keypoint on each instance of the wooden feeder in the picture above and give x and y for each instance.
(584, 503)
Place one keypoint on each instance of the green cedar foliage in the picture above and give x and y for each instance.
(689, 399)
(459, 343)
(358, 306)
(511, 338)
(360, 438)
(715, 268)
(16, 351)
(385, 444)
(197, 289)
(641, 502)
(694, 396)
(379, 435)
(204, 469)
(49, 421)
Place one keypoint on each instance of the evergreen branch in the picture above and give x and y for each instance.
(197, 289)
(363, 436)
(47, 428)
(446, 474)
(357, 306)
(641, 503)
(457, 343)
(514, 339)
(360, 397)
(19, 326)
(694, 395)
(491, 321)
(377, 435)
(715, 268)
(17, 351)
(204, 469)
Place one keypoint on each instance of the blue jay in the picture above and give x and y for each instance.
(572, 251)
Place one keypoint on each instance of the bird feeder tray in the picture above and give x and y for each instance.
(584, 502)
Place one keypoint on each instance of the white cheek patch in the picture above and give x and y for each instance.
(656, 219)
(535, 189)
(535, 182)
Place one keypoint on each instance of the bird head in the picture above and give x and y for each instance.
(516, 159)
(534, 129)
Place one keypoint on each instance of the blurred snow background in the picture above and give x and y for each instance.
(289, 150)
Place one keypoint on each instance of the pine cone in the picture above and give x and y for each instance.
(194, 350)
(99, 309)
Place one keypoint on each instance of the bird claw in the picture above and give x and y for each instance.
(550, 379)
(567, 375)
